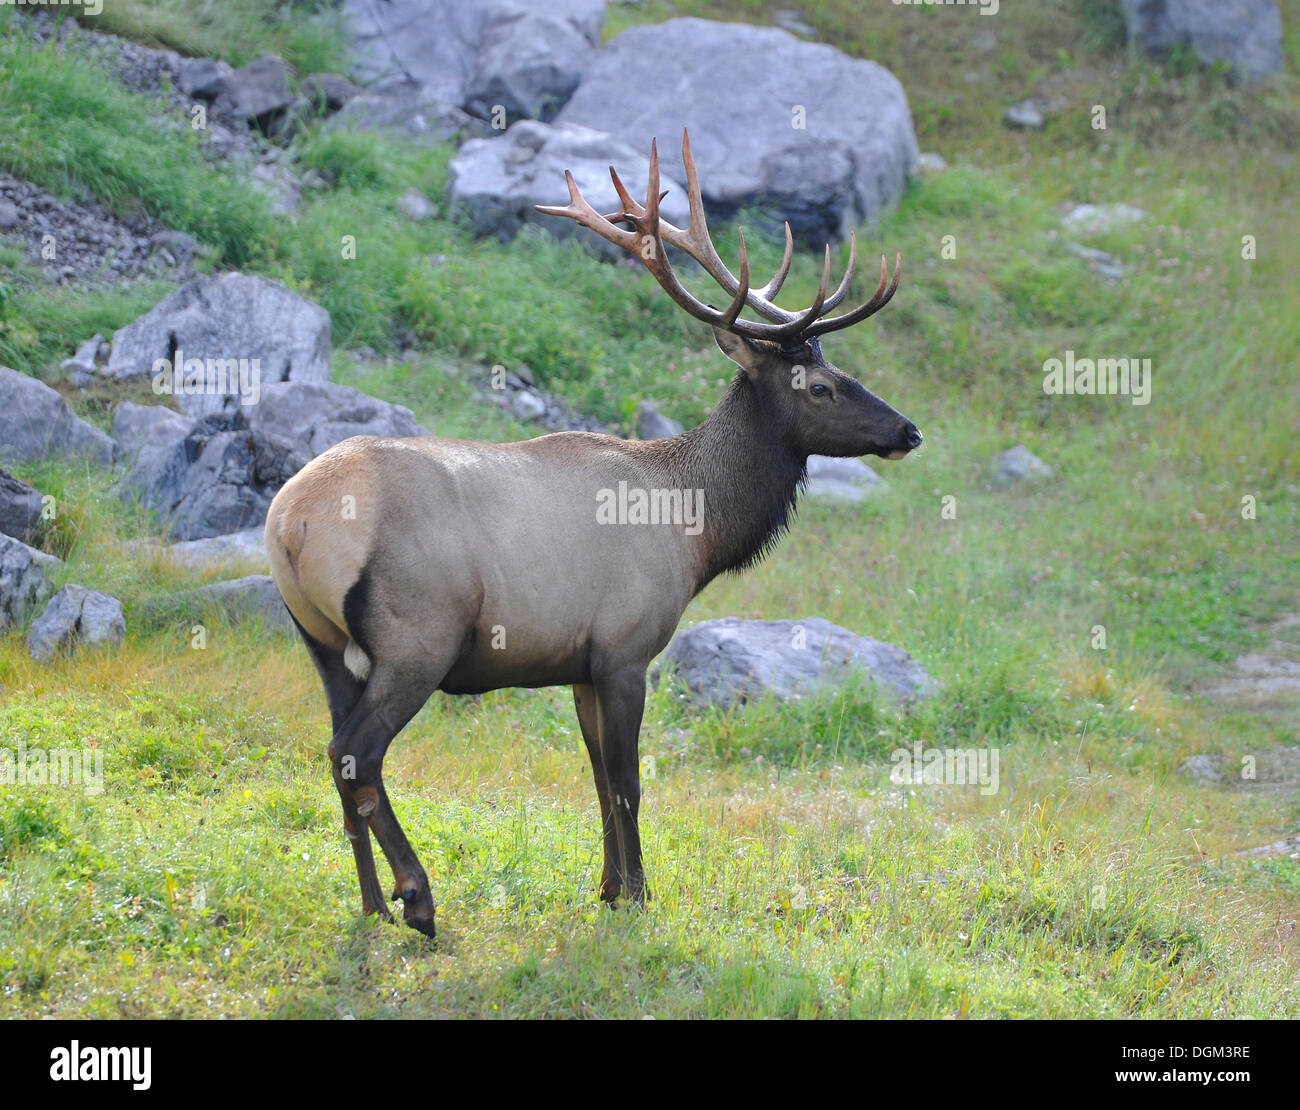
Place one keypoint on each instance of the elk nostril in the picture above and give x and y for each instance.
(912, 437)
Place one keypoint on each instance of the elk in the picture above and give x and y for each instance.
(423, 564)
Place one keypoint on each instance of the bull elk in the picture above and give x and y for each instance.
(467, 567)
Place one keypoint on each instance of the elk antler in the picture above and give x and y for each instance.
(649, 232)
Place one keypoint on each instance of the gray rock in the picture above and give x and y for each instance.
(36, 423)
(738, 89)
(328, 92)
(180, 246)
(281, 186)
(75, 618)
(81, 367)
(835, 489)
(652, 424)
(1098, 219)
(205, 78)
(1247, 34)
(845, 480)
(1288, 846)
(794, 22)
(23, 581)
(528, 405)
(217, 493)
(408, 111)
(254, 595)
(414, 205)
(496, 182)
(198, 478)
(8, 215)
(527, 55)
(1026, 114)
(245, 548)
(929, 163)
(721, 662)
(1018, 463)
(261, 90)
(844, 470)
(1099, 262)
(20, 507)
(224, 317)
(528, 67)
(1203, 768)
(296, 421)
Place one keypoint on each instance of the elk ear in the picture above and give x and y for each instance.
(745, 353)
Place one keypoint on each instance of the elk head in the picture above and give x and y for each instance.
(814, 407)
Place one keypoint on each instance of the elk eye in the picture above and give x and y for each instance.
(819, 390)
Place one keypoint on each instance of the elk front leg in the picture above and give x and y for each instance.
(620, 702)
(584, 701)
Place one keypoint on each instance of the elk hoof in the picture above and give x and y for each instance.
(423, 925)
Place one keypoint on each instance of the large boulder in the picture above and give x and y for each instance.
(496, 182)
(296, 421)
(237, 549)
(20, 507)
(76, 617)
(1246, 34)
(36, 423)
(794, 127)
(408, 111)
(22, 579)
(197, 476)
(525, 55)
(721, 662)
(845, 480)
(235, 333)
(254, 595)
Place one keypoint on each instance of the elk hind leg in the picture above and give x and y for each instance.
(342, 691)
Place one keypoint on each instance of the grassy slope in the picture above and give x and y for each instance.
(789, 876)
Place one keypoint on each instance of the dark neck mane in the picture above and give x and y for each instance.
(750, 479)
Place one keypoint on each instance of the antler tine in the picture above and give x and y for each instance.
(877, 302)
(773, 287)
(798, 328)
(843, 287)
(629, 205)
(581, 212)
(729, 317)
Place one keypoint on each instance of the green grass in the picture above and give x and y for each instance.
(789, 876)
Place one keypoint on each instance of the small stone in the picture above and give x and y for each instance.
(1098, 219)
(527, 405)
(652, 424)
(1203, 768)
(1024, 115)
(928, 163)
(415, 206)
(1018, 463)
